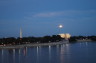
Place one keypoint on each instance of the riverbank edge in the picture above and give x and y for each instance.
(32, 45)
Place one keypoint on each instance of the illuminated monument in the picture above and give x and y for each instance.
(66, 35)
(20, 33)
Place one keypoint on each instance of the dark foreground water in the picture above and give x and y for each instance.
(67, 53)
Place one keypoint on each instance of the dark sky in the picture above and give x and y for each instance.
(42, 17)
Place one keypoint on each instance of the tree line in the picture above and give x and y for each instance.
(25, 40)
(45, 39)
(75, 38)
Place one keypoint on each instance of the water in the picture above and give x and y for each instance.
(66, 53)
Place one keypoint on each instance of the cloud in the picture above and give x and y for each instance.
(48, 14)
(64, 14)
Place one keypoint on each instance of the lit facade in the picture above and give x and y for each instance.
(66, 36)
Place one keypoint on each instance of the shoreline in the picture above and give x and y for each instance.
(87, 40)
(33, 45)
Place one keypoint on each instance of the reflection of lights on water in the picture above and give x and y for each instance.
(2, 55)
(49, 53)
(67, 45)
(61, 54)
(49, 49)
(13, 51)
(13, 55)
(49, 46)
(2, 52)
(62, 49)
(65, 50)
(86, 44)
(57, 49)
(19, 55)
(37, 54)
(37, 50)
(25, 51)
(80, 44)
(19, 51)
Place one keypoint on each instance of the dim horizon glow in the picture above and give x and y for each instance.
(41, 17)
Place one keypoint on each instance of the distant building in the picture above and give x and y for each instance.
(66, 36)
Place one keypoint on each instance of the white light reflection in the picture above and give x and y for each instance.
(49, 53)
(19, 55)
(37, 54)
(68, 53)
(19, 51)
(57, 47)
(37, 50)
(2, 55)
(67, 49)
(80, 44)
(49, 50)
(13, 55)
(25, 51)
(62, 54)
(86, 43)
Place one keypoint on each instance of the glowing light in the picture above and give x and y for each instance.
(60, 26)
(20, 33)
(67, 35)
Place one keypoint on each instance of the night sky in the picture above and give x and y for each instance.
(42, 17)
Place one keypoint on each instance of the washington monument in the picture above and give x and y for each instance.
(20, 33)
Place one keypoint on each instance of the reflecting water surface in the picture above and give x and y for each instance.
(65, 53)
